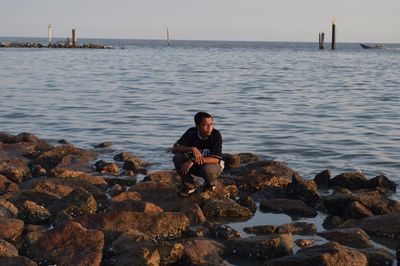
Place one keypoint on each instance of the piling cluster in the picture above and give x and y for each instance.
(60, 205)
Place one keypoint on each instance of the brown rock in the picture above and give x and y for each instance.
(261, 229)
(382, 183)
(104, 167)
(387, 225)
(351, 237)
(330, 253)
(305, 191)
(352, 181)
(7, 209)
(7, 249)
(226, 208)
(261, 247)
(15, 170)
(49, 186)
(169, 177)
(332, 221)
(232, 161)
(10, 229)
(356, 210)
(103, 145)
(128, 195)
(322, 179)
(288, 206)
(68, 244)
(35, 213)
(297, 228)
(75, 163)
(134, 205)
(160, 225)
(223, 232)
(16, 261)
(194, 213)
(202, 252)
(77, 203)
(7, 185)
(377, 256)
(18, 198)
(303, 243)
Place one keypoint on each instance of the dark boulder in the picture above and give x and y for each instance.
(35, 213)
(7, 209)
(231, 161)
(170, 177)
(225, 208)
(295, 228)
(68, 244)
(387, 225)
(377, 256)
(248, 202)
(16, 261)
(103, 145)
(10, 229)
(7, 185)
(352, 181)
(322, 179)
(7, 249)
(223, 232)
(202, 252)
(351, 237)
(15, 170)
(194, 213)
(296, 208)
(330, 253)
(261, 247)
(104, 167)
(305, 191)
(382, 183)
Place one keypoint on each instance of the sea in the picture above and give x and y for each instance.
(288, 101)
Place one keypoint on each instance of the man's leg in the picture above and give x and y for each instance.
(187, 180)
(210, 173)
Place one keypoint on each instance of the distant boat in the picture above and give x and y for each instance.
(376, 46)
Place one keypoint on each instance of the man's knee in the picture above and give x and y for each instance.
(179, 159)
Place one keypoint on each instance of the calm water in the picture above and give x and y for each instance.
(312, 109)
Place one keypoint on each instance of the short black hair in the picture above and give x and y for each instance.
(198, 118)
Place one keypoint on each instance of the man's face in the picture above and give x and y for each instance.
(205, 127)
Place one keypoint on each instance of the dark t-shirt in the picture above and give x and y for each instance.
(212, 146)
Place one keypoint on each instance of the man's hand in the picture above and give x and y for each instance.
(199, 159)
(186, 167)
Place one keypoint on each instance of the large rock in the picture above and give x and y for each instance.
(322, 179)
(42, 198)
(7, 185)
(104, 167)
(15, 170)
(169, 177)
(194, 213)
(296, 228)
(10, 229)
(352, 181)
(51, 186)
(134, 205)
(77, 203)
(35, 213)
(387, 225)
(256, 176)
(261, 247)
(290, 207)
(305, 191)
(159, 225)
(7, 249)
(377, 256)
(351, 237)
(223, 232)
(382, 183)
(225, 208)
(7, 209)
(16, 261)
(329, 254)
(202, 252)
(68, 244)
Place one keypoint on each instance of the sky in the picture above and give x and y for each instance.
(373, 21)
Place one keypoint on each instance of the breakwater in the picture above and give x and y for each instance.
(55, 45)
(97, 211)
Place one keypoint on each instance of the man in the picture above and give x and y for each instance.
(199, 152)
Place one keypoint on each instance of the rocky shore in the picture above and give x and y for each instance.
(60, 205)
(54, 45)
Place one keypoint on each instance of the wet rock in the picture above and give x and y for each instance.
(134, 205)
(122, 181)
(77, 203)
(305, 191)
(387, 225)
(104, 167)
(7, 185)
(377, 256)
(80, 178)
(115, 190)
(261, 247)
(303, 243)
(376, 203)
(74, 163)
(382, 183)
(169, 177)
(202, 252)
(351, 237)
(194, 213)
(7, 209)
(16, 261)
(10, 229)
(158, 225)
(297, 228)
(332, 221)
(103, 145)
(225, 208)
(247, 157)
(35, 213)
(258, 175)
(15, 170)
(322, 179)
(291, 207)
(128, 195)
(349, 223)
(352, 181)
(18, 198)
(356, 210)
(261, 229)
(50, 187)
(269, 193)
(33, 228)
(51, 158)
(68, 244)
(247, 202)
(62, 217)
(7, 249)
(223, 232)
(122, 156)
(330, 253)
(134, 166)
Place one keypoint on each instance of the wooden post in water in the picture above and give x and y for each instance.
(321, 36)
(73, 37)
(49, 34)
(167, 37)
(333, 35)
